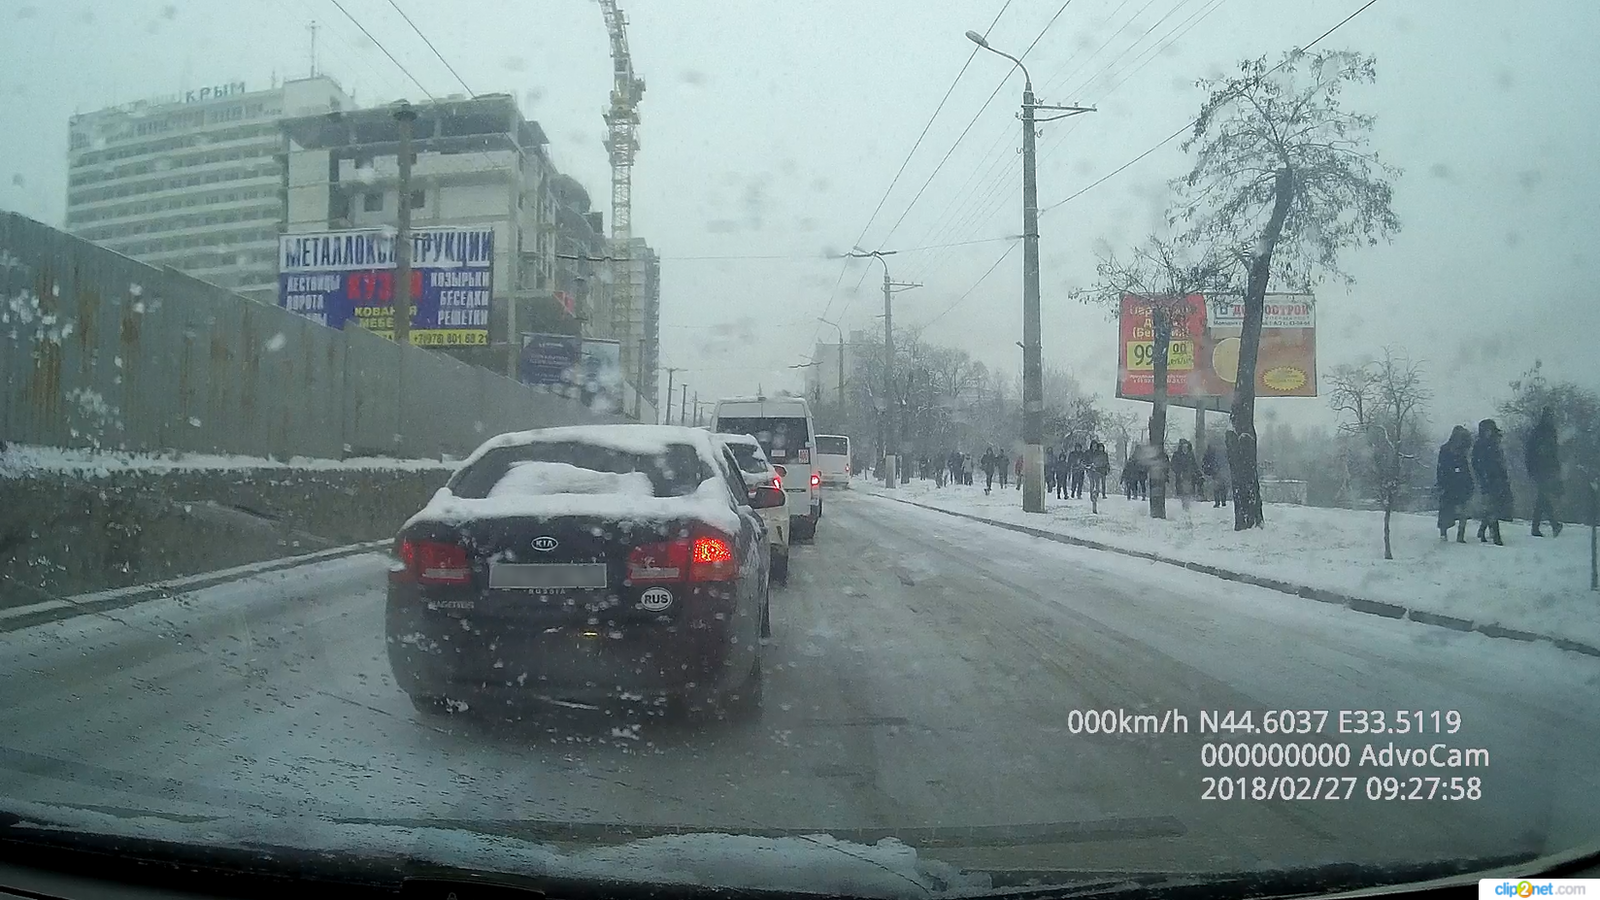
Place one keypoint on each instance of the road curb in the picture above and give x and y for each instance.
(19, 617)
(1321, 595)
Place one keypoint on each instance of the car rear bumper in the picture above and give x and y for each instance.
(449, 653)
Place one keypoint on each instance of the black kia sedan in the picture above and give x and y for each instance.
(584, 564)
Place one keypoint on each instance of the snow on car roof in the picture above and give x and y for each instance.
(708, 504)
(748, 440)
(646, 440)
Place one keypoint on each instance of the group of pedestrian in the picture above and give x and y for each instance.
(996, 463)
(1066, 472)
(1471, 468)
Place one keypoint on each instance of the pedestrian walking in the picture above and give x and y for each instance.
(1017, 470)
(1453, 478)
(1544, 467)
(1214, 468)
(988, 462)
(1494, 483)
(1063, 473)
(1075, 470)
(1185, 471)
(1099, 469)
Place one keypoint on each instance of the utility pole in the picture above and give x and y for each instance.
(638, 393)
(697, 407)
(841, 365)
(1032, 351)
(683, 403)
(403, 117)
(667, 419)
(891, 446)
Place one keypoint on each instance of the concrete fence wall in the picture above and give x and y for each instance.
(97, 350)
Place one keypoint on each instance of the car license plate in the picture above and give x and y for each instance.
(534, 576)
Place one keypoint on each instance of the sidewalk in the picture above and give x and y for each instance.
(1530, 588)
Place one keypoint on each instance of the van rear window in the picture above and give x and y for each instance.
(833, 446)
(781, 437)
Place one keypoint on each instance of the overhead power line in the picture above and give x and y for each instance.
(435, 50)
(399, 65)
(968, 292)
(1191, 123)
(896, 180)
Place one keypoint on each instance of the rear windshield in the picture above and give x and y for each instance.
(780, 437)
(750, 461)
(675, 472)
(834, 446)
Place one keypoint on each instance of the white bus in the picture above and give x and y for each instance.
(785, 430)
(833, 460)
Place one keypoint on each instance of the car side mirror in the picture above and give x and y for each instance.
(766, 497)
(781, 470)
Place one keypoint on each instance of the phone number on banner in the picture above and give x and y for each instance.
(444, 337)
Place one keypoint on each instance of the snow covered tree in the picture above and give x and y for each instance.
(1283, 174)
(1164, 274)
(1385, 402)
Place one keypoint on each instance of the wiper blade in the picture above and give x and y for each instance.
(918, 838)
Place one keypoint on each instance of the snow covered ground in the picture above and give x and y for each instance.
(21, 459)
(1530, 584)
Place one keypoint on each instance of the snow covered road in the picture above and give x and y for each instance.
(921, 675)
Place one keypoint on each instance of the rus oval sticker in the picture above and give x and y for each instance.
(1284, 378)
(655, 599)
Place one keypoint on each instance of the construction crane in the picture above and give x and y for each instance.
(622, 141)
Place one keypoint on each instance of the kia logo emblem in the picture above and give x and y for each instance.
(545, 544)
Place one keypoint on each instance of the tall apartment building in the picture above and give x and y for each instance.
(195, 181)
(823, 380)
(582, 276)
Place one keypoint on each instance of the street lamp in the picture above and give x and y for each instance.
(1032, 357)
(891, 449)
(841, 363)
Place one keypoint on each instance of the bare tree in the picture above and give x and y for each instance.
(1283, 173)
(1385, 402)
(1164, 274)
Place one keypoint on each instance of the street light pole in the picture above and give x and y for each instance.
(403, 117)
(841, 363)
(1032, 351)
(891, 445)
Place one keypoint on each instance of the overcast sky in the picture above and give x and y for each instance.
(771, 131)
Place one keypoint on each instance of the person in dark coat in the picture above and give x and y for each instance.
(1494, 484)
(988, 462)
(1453, 477)
(1099, 469)
(1544, 467)
(1215, 469)
(1075, 470)
(1185, 471)
(1002, 467)
(1063, 473)
(1018, 470)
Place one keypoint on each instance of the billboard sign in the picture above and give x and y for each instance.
(1203, 360)
(584, 369)
(1286, 362)
(335, 276)
(1136, 346)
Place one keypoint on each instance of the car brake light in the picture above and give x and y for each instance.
(777, 482)
(664, 562)
(703, 556)
(711, 559)
(436, 562)
(847, 468)
(816, 479)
